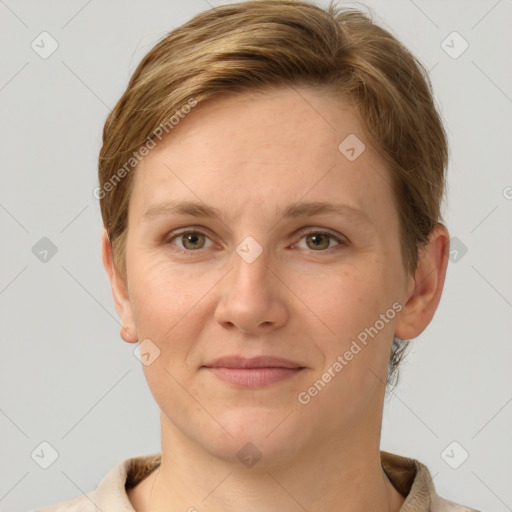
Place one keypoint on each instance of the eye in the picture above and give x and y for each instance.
(190, 241)
(320, 240)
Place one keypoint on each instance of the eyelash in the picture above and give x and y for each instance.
(342, 242)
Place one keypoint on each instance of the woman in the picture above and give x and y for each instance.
(270, 185)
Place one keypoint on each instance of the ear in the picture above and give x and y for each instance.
(119, 292)
(429, 277)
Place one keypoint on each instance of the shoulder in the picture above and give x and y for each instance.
(412, 479)
(443, 505)
(110, 495)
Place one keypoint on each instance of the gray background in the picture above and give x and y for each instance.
(68, 379)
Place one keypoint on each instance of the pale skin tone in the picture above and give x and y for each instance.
(251, 156)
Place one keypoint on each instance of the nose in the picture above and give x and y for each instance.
(253, 299)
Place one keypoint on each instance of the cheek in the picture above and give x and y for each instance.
(163, 302)
(355, 357)
(163, 293)
(168, 311)
(349, 300)
(352, 304)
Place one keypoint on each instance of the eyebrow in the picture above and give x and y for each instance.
(300, 209)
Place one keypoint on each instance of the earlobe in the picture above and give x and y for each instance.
(421, 304)
(127, 335)
(120, 294)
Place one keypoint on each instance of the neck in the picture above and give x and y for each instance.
(343, 474)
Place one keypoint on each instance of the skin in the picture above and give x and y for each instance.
(250, 155)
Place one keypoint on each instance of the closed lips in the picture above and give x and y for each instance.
(255, 372)
(255, 362)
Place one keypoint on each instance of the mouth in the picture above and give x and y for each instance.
(253, 372)
(253, 377)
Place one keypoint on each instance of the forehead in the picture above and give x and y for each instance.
(265, 149)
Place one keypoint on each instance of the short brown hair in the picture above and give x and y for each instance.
(266, 43)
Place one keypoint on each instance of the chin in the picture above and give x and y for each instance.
(258, 437)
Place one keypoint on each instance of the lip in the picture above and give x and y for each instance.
(253, 362)
(255, 372)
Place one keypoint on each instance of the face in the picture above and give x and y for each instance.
(274, 273)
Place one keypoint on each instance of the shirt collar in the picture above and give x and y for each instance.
(410, 477)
